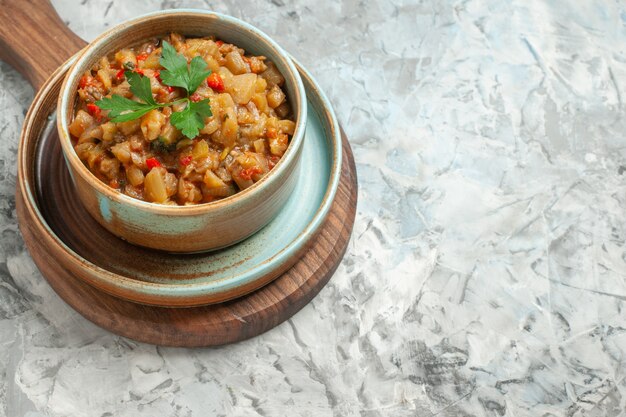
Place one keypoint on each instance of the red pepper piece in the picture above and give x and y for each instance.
(186, 160)
(95, 111)
(272, 161)
(139, 71)
(195, 97)
(219, 43)
(271, 133)
(142, 57)
(120, 74)
(153, 163)
(215, 82)
(248, 173)
(85, 81)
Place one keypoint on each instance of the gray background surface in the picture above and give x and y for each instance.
(486, 274)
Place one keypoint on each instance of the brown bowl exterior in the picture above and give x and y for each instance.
(185, 228)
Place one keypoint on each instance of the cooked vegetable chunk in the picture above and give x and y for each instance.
(154, 132)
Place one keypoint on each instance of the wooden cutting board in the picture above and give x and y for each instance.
(50, 44)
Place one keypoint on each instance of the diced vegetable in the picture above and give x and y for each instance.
(135, 175)
(233, 132)
(188, 191)
(122, 152)
(229, 129)
(259, 146)
(104, 78)
(287, 126)
(94, 111)
(272, 75)
(241, 87)
(215, 186)
(257, 64)
(211, 125)
(82, 121)
(183, 143)
(108, 131)
(152, 123)
(126, 58)
(215, 82)
(110, 167)
(151, 61)
(90, 134)
(260, 101)
(130, 127)
(153, 163)
(169, 134)
(282, 110)
(200, 150)
(235, 63)
(275, 97)
(278, 145)
(186, 160)
(154, 185)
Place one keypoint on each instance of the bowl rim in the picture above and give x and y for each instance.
(67, 98)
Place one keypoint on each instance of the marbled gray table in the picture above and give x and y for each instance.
(487, 270)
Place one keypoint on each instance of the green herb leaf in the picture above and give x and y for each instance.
(178, 74)
(122, 109)
(175, 64)
(128, 116)
(190, 120)
(172, 60)
(202, 108)
(198, 72)
(140, 86)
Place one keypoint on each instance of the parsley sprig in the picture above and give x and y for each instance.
(177, 73)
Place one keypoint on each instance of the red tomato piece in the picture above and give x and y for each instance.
(272, 161)
(85, 81)
(215, 82)
(186, 160)
(94, 110)
(153, 163)
(248, 173)
(195, 97)
(142, 57)
(271, 133)
(120, 74)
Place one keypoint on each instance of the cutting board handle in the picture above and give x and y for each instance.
(34, 39)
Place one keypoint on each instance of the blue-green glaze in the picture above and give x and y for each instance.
(105, 208)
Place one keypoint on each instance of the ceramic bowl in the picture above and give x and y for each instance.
(185, 228)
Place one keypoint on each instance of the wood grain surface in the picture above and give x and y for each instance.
(34, 39)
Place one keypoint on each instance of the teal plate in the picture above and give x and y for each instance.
(152, 277)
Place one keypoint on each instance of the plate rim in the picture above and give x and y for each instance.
(205, 293)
